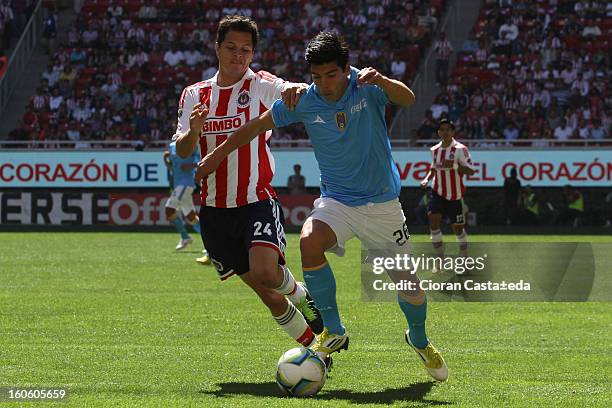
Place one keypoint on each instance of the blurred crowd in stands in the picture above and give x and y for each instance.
(531, 70)
(14, 16)
(119, 74)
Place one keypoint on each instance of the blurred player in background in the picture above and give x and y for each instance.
(178, 220)
(296, 183)
(451, 160)
(182, 182)
(344, 115)
(242, 221)
(574, 207)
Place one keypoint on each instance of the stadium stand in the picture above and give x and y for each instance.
(13, 18)
(120, 72)
(531, 73)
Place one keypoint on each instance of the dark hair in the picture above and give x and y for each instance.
(237, 23)
(327, 47)
(446, 122)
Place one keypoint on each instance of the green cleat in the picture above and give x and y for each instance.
(310, 312)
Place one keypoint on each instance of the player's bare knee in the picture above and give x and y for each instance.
(170, 214)
(311, 246)
(458, 229)
(192, 218)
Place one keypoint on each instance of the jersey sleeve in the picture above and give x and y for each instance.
(282, 116)
(377, 94)
(185, 107)
(270, 87)
(465, 159)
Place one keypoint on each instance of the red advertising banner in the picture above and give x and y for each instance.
(137, 209)
(296, 208)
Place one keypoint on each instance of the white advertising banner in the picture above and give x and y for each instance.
(540, 168)
(104, 169)
(111, 169)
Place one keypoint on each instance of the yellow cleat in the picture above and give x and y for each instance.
(203, 260)
(328, 343)
(432, 360)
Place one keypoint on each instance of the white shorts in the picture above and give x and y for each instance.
(377, 225)
(181, 199)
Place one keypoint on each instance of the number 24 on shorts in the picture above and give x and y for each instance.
(258, 231)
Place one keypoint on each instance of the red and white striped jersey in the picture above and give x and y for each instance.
(447, 182)
(138, 99)
(40, 101)
(243, 177)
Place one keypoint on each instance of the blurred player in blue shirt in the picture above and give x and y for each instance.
(182, 172)
(344, 115)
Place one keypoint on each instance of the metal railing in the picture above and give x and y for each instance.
(528, 144)
(494, 144)
(21, 55)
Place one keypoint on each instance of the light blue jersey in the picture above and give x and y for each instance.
(179, 176)
(350, 142)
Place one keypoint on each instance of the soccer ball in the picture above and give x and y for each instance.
(300, 372)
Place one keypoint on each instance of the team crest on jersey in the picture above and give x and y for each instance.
(451, 156)
(341, 120)
(244, 99)
(180, 112)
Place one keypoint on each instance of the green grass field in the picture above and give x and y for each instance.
(120, 319)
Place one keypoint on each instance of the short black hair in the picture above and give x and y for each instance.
(237, 23)
(327, 47)
(446, 122)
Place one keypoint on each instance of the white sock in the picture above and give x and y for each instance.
(462, 239)
(289, 287)
(295, 325)
(436, 241)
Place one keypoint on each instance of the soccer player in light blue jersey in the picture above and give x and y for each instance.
(343, 112)
(182, 179)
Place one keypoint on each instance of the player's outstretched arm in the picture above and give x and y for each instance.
(397, 91)
(242, 136)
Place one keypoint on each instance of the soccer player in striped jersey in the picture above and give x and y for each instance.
(241, 219)
(451, 160)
